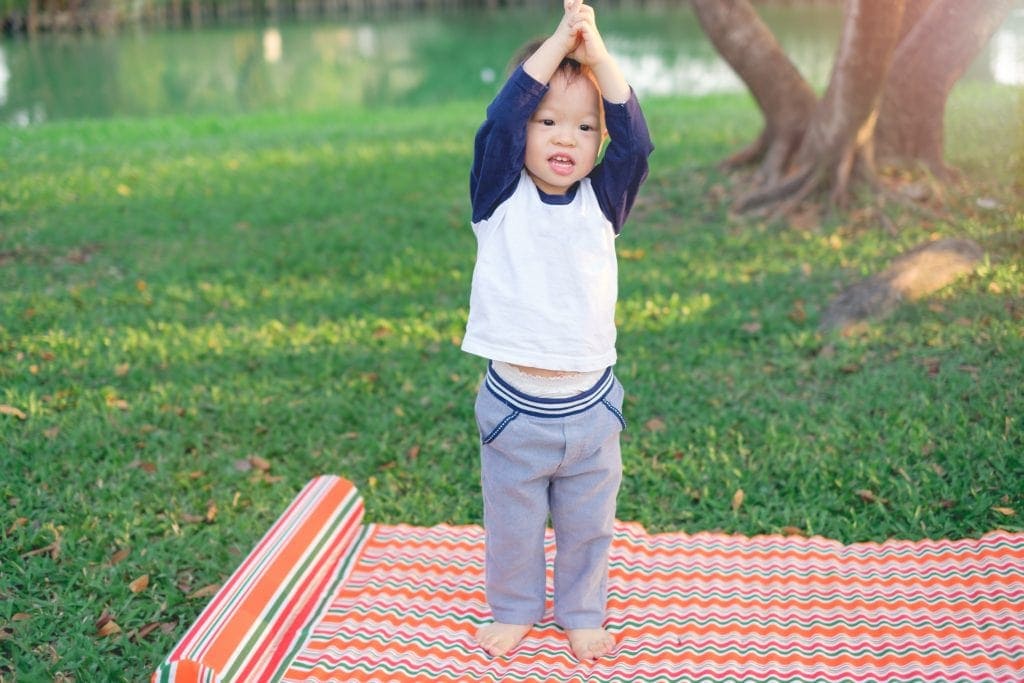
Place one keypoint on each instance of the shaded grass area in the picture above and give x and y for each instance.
(199, 315)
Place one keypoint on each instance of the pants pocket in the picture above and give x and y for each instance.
(492, 416)
(613, 402)
(498, 428)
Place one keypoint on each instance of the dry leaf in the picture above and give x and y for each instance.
(12, 411)
(109, 628)
(120, 556)
(115, 402)
(204, 592)
(211, 513)
(414, 452)
(20, 616)
(867, 496)
(1008, 512)
(147, 629)
(122, 369)
(751, 327)
(792, 531)
(797, 313)
(140, 584)
(259, 463)
(655, 424)
(16, 524)
(737, 500)
(143, 465)
(243, 465)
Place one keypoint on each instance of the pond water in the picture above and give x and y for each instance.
(393, 61)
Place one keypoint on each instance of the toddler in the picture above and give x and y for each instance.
(542, 311)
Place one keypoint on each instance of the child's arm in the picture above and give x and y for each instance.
(543, 63)
(623, 169)
(590, 50)
(501, 141)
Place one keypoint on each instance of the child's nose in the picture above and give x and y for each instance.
(565, 136)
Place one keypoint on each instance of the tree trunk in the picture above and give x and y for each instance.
(895, 66)
(784, 97)
(928, 63)
(838, 141)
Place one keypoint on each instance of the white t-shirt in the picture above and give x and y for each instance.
(545, 283)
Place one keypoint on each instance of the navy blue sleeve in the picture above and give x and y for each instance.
(617, 179)
(500, 147)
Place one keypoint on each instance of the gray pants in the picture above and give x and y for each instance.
(549, 456)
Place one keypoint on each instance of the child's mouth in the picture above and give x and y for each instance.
(562, 165)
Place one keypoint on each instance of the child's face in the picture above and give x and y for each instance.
(564, 134)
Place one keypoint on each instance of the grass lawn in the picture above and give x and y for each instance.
(199, 315)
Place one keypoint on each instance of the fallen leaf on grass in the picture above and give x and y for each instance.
(143, 632)
(108, 629)
(16, 524)
(115, 402)
(259, 463)
(869, 496)
(737, 500)
(140, 584)
(792, 531)
(13, 412)
(655, 424)
(53, 550)
(106, 626)
(798, 313)
(866, 495)
(751, 327)
(204, 592)
(119, 557)
(1008, 512)
(413, 453)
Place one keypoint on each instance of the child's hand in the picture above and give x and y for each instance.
(588, 45)
(566, 35)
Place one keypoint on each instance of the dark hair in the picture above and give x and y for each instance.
(568, 67)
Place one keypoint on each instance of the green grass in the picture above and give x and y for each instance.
(178, 296)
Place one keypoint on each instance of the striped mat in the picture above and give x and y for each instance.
(324, 597)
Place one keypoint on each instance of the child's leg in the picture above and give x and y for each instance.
(515, 468)
(583, 515)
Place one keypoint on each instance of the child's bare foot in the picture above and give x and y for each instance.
(590, 643)
(499, 639)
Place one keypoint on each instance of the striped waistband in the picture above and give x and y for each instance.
(548, 407)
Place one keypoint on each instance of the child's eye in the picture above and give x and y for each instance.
(547, 122)
(586, 127)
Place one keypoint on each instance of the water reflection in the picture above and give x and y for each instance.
(1008, 55)
(399, 61)
(271, 46)
(5, 75)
